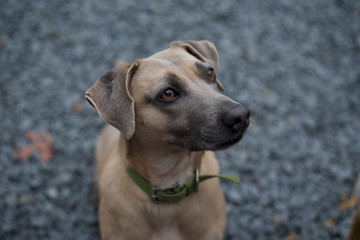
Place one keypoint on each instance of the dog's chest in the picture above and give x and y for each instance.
(164, 230)
(166, 220)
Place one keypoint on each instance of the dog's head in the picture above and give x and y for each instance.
(171, 98)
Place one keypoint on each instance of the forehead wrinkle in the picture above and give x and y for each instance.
(170, 80)
(150, 70)
(179, 62)
(201, 65)
(172, 66)
(176, 74)
(159, 71)
(201, 70)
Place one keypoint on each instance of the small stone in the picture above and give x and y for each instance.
(39, 221)
(26, 199)
(52, 193)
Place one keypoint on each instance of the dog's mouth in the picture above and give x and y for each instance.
(229, 143)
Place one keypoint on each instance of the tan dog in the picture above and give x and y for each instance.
(169, 112)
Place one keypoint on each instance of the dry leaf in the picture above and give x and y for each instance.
(42, 144)
(293, 236)
(77, 107)
(347, 202)
(24, 152)
(330, 222)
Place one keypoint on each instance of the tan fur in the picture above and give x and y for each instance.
(126, 212)
(158, 145)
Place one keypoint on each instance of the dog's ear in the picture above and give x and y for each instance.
(111, 98)
(204, 51)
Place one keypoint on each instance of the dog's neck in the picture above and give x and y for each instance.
(162, 166)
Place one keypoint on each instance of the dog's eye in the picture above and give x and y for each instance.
(211, 74)
(168, 94)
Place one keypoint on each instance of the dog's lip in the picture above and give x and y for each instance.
(235, 140)
(230, 142)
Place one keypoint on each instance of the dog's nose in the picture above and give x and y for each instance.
(237, 118)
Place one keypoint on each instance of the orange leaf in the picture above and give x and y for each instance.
(330, 222)
(42, 144)
(24, 152)
(46, 148)
(292, 236)
(77, 107)
(347, 202)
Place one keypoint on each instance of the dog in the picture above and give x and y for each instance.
(165, 116)
(354, 233)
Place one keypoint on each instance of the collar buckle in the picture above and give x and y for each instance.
(153, 195)
(197, 181)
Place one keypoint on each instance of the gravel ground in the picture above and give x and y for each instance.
(295, 64)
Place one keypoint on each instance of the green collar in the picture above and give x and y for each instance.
(172, 195)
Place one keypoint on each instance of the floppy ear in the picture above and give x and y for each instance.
(111, 98)
(203, 50)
